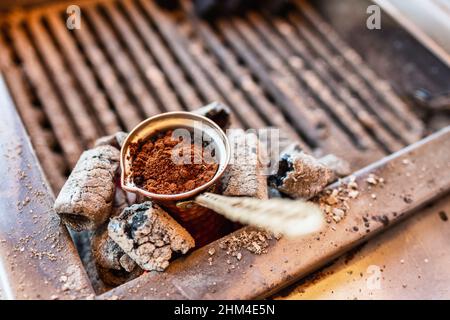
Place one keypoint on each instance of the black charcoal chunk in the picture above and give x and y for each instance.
(217, 112)
(107, 253)
(301, 175)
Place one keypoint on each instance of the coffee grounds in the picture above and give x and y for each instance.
(154, 170)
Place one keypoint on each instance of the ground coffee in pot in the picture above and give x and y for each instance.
(154, 169)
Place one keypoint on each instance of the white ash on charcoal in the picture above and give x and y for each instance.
(272, 141)
(286, 143)
(115, 140)
(113, 265)
(339, 166)
(86, 199)
(95, 248)
(123, 199)
(292, 148)
(301, 176)
(108, 254)
(245, 175)
(149, 235)
(218, 113)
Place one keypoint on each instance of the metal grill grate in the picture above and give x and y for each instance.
(131, 60)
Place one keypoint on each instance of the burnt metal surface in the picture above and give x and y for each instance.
(132, 59)
(412, 179)
(37, 257)
(409, 261)
(415, 18)
(392, 51)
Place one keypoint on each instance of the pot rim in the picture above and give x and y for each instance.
(223, 162)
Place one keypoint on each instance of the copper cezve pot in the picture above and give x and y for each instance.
(204, 224)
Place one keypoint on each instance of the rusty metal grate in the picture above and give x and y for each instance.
(131, 60)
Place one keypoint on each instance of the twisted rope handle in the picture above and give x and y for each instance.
(291, 218)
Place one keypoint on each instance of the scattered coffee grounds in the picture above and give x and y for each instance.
(254, 240)
(335, 202)
(154, 170)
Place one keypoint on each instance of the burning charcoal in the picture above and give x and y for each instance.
(149, 235)
(301, 175)
(217, 112)
(82, 241)
(114, 266)
(116, 140)
(108, 256)
(86, 199)
(340, 167)
(127, 263)
(273, 192)
(122, 199)
(286, 142)
(107, 253)
(291, 149)
(112, 277)
(245, 173)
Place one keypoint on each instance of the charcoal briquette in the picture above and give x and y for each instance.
(149, 235)
(86, 199)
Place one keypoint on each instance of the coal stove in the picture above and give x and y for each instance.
(132, 59)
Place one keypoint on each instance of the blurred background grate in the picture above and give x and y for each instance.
(131, 60)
